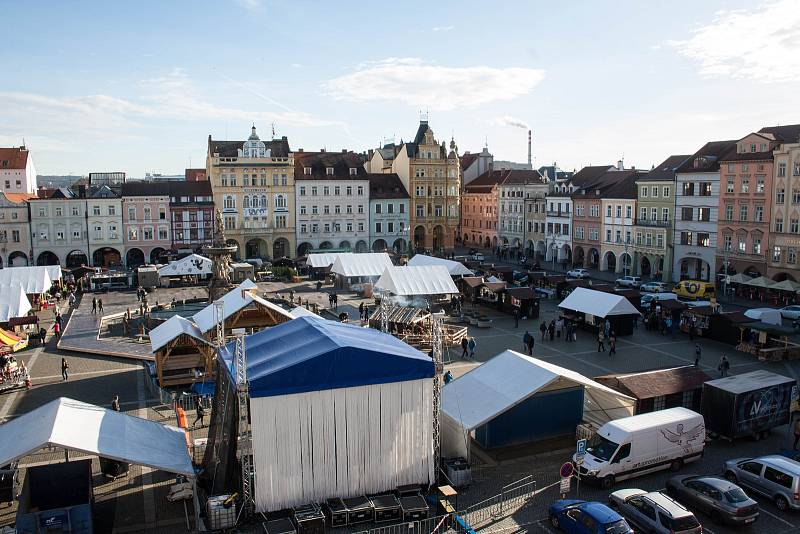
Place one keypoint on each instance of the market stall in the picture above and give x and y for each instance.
(592, 308)
(768, 342)
(469, 287)
(455, 268)
(407, 281)
(521, 300)
(659, 389)
(191, 268)
(354, 270)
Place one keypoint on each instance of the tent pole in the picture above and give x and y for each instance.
(196, 503)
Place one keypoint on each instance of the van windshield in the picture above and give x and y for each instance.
(602, 448)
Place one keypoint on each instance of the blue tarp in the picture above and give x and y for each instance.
(205, 389)
(314, 354)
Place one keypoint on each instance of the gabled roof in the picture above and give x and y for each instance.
(371, 264)
(190, 189)
(13, 302)
(656, 382)
(279, 148)
(597, 303)
(313, 354)
(341, 162)
(18, 198)
(455, 268)
(625, 184)
(170, 329)
(384, 186)
(784, 134)
(521, 177)
(234, 300)
(707, 158)
(14, 158)
(102, 192)
(417, 280)
(33, 279)
(321, 260)
(589, 174)
(78, 426)
(665, 171)
(468, 159)
(145, 189)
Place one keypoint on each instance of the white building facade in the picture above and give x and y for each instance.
(558, 223)
(104, 209)
(17, 172)
(58, 228)
(15, 235)
(389, 222)
(514, 187)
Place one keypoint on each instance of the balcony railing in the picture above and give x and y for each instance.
(558, 213)
(653, 223)
(736, 253)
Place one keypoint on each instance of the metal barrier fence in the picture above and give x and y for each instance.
(433, 525)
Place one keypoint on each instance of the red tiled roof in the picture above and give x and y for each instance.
(20, 197)
(13, 158)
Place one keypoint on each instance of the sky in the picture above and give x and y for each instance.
(139, 86)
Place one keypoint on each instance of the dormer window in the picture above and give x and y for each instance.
(753, 147)
(307, 171)
(353, 171)
(329, 171)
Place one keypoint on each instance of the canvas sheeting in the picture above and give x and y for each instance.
(314, 354)
(505, 381)
(300, 311)
(765, 315)
(53, 271)
(761, 281)
(323, 260)
(371, 264)
(597, 303)
(739, 278)
(13, 303)
(453, 267)
(193, 264)
(417, 280)
(172, 328)
(233, 301)
(78, 426)
(34, 280)
(786, 285)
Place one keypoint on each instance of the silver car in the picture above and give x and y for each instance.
(791, 312)
(724, 501)
(775, 477)
(653, 287)
(654, 512)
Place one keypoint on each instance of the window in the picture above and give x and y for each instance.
(437, 210)
(654, 191)
(638, 238)
(660, 240)
(619, 211)
(795, 196)
(779, 225)
(147, 234)
(779, 195)
(162, 234)
(420, 210)
(704, 214)
(686, 238)
(648, 239)
(643, 214)
(758, 216)
(618, 235)
(728, 212)
(796, 168)
(95, 210)
(791, 255)
(665, 192)
(390, 208)
(229, 202)
(280, 221)
(76, 234)
(314, 190)
(15, 236)
(326, 191)
(133, 234)
(378, 228)
(303, 209)
(781, 169)
(742, 244)
(162, 213)
(42, 212)
(302, 190)
(303, 228)
(705, 189)
(326, 209)
(760, 184)
(743, 212)
(745, 167)
(608, 235)
(778, 477)
(350, 227)
(390, 227)
(688, 189)
(361, 227)
(337, 209)
(623, 452)
(745, 187)
(794, 226)
(727, 240)
(59, 235)
(360, 190)
(776, 254)
(644, 191)
(686, 214)
(76, 211)
(756, 245)
(703, 240)
(314, 210)
(361, 208)
(377, 208)
(751, 467)
(659, 402)
(628, 211)
(59, 211)
(329, 171)
(608, 210)
(729, 186)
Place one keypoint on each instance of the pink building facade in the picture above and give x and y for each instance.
(479, 203)
(146, 220)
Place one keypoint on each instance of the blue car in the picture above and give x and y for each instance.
(581, 517)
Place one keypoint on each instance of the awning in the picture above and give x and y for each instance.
(83, 427)
(597, 303)
(765, 315)
(371, 264)
(761, 281)
(453, 267)
(34, 280)
(420, 280)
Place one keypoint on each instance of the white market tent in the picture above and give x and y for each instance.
(418, 280)
(367, 265)
(87, 428)
(453, 267)
(300, 311)
(54, 271)
(598, 303)
(323, 260)
(234, 301)
(193, 264)
(765, 315)
(34, 280)
(508, 379)
(13, 303)
(172, 328)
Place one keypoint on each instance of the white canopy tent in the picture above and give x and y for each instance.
(34, 280)
(367, 265)
(83, 427)
(453, 267)
(170, 329)
(597, 303)
(233, 301)
(323, 260)
(419, 280)
(13, 303)
(193, 264)
(508, 379)
(765, 315)
(300, 311)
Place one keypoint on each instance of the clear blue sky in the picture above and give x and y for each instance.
(139, 86)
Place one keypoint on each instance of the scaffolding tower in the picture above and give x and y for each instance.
(436, 354)
(244, 448)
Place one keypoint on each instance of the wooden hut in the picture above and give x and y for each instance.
(659, 389)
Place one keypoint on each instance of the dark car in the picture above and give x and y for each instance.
(582, 517)
(724, 501)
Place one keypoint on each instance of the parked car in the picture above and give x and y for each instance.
(694, 290)
(653, 287)
(654, 512)
(647, 298)
(791, 312)
(581, 517)
(578, 273)
(477, 256)
(775, 477)
(629, 281)
(721, 499)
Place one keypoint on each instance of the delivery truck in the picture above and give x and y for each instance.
(633, 446)
(750, 404)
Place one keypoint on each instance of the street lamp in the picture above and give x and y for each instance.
(624, 262)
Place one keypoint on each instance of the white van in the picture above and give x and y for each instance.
(637, 445)
(647, 298)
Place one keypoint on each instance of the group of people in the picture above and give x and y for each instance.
(605, 332)
(97, 305)
(363, 312)
(333, 300)
(13, 371)
(468, 345)
(562, 327)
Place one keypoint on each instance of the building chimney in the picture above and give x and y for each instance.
(530, 162)
(620, 166)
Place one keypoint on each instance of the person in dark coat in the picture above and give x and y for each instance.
(94, 305)
(543, 329)
(552, 330)
(529, 342)
(464, 348)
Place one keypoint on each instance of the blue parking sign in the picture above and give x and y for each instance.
(581, 447)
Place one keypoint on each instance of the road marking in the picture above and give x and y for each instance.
(765, 511)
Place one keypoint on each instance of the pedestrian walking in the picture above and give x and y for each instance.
(601, 341)
(57, 330)
(201, 413)
(559, 327)
(552, 330)
(612, 343)
(448, 377)
(697, 355)
(472, 348)
(59, 320)
(796, 432)
(607, 327)
(361, 311)
(42, 335)
(516, 318)
(724, 366)
(115, 403)
(529, 343)
(64, 369)
(543, 329)
(464, 348)
(100, 306)
(94, 305)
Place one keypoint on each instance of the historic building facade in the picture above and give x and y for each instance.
(58, 228)
(104, 220)
(785, 234)
(17, 172)
(147, 221)
(514, 187)
(432, 177)
(191, 210)
(253, 184)
(479, 205)
(618, 207)
(332, 192)
(15, 230)
(388, 213)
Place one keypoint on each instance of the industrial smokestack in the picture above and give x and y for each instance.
(530, 161)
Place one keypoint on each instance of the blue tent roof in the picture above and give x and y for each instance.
(314, 354)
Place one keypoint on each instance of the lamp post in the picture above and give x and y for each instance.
(624, 263)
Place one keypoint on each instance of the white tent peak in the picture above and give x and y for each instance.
(417, 280)
(13, 302)
(172, 328)
(598, 303)
(233, 301)
(34, 280)
(453, 267)
(371, 264)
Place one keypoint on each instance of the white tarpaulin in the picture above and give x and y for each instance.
(233, 301)
(78, 426)
(419, 280)
(172, 328)
(453, 267)
(193, 264)
(13, 302)
(300, 311)
(765, 315)
(505, 381)
(34, 280)
(357, 440)
(53, 271)
(597, 303)
(322, 260)
(370, 264)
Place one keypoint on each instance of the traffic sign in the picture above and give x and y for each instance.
(579, 460)
(566, 470)
(581, 448)
(564, 489)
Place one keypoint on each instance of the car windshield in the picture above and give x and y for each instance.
(735, 495)
(602, 448)
(618, 527)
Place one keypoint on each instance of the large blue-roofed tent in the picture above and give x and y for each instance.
(336, 411)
